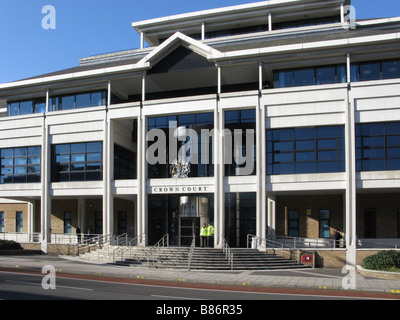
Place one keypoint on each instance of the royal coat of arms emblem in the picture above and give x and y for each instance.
(180, 168)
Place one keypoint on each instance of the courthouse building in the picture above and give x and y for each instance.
(313, 94)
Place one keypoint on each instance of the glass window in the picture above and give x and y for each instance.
(77, 147)
(293, 223)
(98, 99)
(305, 150)
(203, 166)
(67, 222)
(40, 107)
(83, 166)
(304, 77)
(325, 75)
(94, 146)
(25, 107)
(121, 222)
(324, 224)
(98, 222)
(378, 146)
(1, 221)
(390, 69)
(16, 165)
(67, 102)
(13, 109)
(370, 71)
(19, 221)
(82, 100)
(310, 76)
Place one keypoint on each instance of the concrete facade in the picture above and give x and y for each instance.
(188, 70)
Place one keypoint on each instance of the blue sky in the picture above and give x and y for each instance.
(89, 27)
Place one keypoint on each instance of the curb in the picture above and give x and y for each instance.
(378, 274)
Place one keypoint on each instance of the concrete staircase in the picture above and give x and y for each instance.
(207, 259)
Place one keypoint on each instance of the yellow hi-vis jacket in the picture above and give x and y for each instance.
(210, 231)
(203, 231)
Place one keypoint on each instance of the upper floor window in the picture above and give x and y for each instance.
(78, 101)
(242, 121)
(378, 146)
(309, 76)
(18, 108)
(77, 162)
(199, 155)
(305, 150)
(20, 165)
(305, 23)
(124, 163)
(376, 70)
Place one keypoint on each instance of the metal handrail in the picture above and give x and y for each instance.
(151, 253)
(228, 252)
(120, 250)
(191, 251)
(255, 241)
(93, 241)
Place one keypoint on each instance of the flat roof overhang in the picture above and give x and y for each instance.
(235, 16)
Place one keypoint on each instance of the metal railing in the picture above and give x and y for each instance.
(92, 241)
(154, 251)
(33, 237)
(228, 252)
(191, 251)
(285, 249)
(126, 243)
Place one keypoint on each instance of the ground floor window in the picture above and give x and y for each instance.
(370, 223)
(324, 224)
(121, 222)
(98, 222)
(1, 221)
(293, 223)
(68, 222)
(240, 217)
(19, 221)
(398, 222)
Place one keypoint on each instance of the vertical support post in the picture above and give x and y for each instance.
(141, 40)
(219, 199)
(351, 187)
(269, 21)
(203, 31)
(342, 12)
(142, 212)
(45, 231)
(260, 162)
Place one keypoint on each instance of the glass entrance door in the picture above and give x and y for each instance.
(189, 228)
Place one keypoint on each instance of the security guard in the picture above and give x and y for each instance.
(210, 236)
(203, 236)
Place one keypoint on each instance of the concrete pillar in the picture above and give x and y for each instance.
(219, 196)
(142, 213)
(260, 162)
(45, 219)
(351, 185)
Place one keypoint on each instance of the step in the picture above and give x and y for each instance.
(202, 259)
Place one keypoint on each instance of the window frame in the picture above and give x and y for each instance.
(69, 170)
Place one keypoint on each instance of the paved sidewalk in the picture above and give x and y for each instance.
(316, 279)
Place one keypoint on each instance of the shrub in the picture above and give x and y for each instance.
(9, 245)
(383, 261)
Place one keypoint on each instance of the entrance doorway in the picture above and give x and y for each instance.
(189, 230)
(193, 211)
(180, 216)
